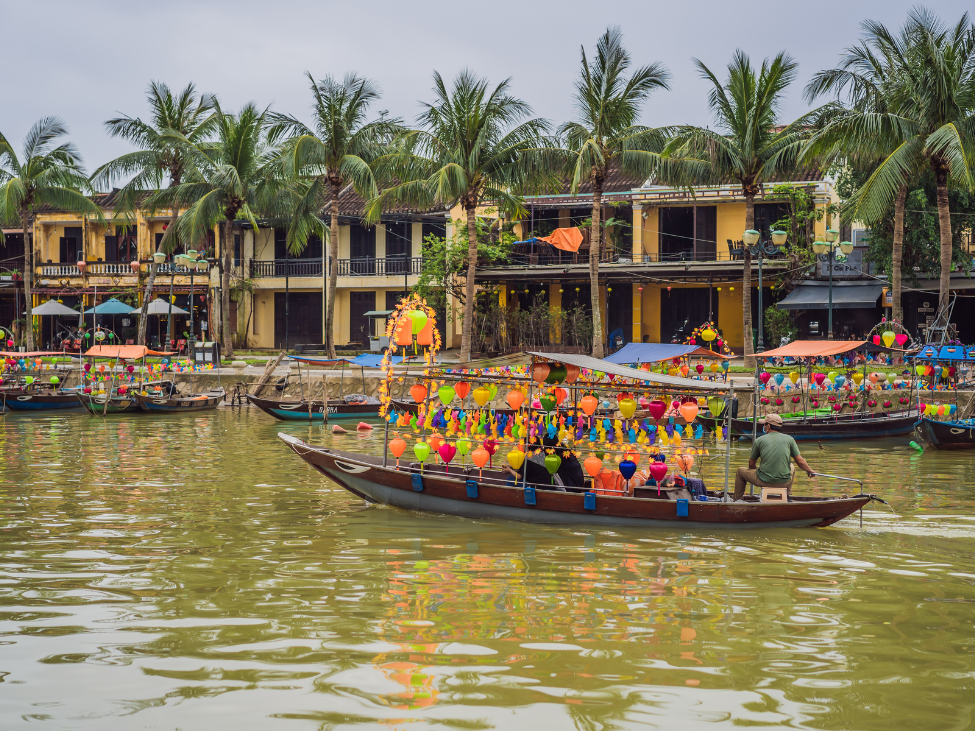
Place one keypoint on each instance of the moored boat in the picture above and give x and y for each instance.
(959, 434)
(37, 400)
(348, 407)
(180, 403)
(860, 425)
(101, 404)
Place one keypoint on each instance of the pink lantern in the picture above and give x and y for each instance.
(658, 471)
(134, 265)
(82, 266)
(657, 409)
(819, 378)
(901, 339)
(764, 377)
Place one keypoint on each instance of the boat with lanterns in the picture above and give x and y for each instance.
(842, 403)
(946, 425)
(31, 385)
(110, 389)
(451, 470)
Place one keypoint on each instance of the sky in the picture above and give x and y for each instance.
(87, 61)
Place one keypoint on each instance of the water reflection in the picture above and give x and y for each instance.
(174, 572)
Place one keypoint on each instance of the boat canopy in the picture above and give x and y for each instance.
(365, 360)
(125, 352)
(634, 374)
(946, 353)
(811, 348)
(656, 352)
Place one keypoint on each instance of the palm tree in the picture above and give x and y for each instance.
(913, 99)
(48, 172)
(334, 151)
(230, 178)
(472, 146)
(748, 147)
(605, 132)
(158, 158)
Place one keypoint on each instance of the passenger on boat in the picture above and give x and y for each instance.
(569, 474)
(776, 451)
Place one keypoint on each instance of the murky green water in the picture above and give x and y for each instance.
(192, 573)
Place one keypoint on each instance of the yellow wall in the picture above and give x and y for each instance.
(651, 313)
(730, 315)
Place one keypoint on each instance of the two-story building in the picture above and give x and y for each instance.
(670, 256)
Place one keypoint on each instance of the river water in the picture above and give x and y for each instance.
(191, 572)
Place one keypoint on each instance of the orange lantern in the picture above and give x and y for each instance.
(589, 404)
(593, 465)
(480, 457)
(571, 373)
(425, 336)
(540, 371)
(404, 331)
(684, 370)
(435, 440)
(561, 395)
(689, 411)
(462, 389)
(397, 446)
(418, 391)
(515, 399)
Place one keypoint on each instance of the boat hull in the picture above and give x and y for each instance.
(41, 402)
(946, 434)
(115, 405)
(824, 429)
(314, 410)
(180, 404)
(447, 493)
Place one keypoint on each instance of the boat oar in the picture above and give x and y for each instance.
(837, 477)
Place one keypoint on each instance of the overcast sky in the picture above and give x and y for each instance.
(85, 61)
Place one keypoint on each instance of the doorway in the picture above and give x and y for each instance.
(359, 304)
(302, 323)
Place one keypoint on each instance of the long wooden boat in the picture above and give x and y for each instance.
(467, 494)
(105, 405)
(946, 434)
(852, 426)
(35, 400)
(311, 410)
(181, 403)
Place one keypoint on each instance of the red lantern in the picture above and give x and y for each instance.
(134, 265)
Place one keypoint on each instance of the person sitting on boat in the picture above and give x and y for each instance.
(776, 451)
(569, 474)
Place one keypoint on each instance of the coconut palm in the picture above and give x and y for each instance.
(47, 173)
(913, 105)
(605, 133)
(230, 178)
(334, 151)
(158, 161)
(748, 147)
(474, 144)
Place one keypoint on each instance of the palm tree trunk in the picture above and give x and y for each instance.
(228, 262)
(746, 286)
(897, 254)
(467, 327)
(944, 224)
(594, 240)
(28, 277)
(150, 283)
(333, 267)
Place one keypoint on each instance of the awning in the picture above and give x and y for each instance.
(811, 348)
(656, 352)
(846, 295)
(364, 360)
(127, 352)
(634, 374)
(31, 354)
(378, 313)
(946, 353)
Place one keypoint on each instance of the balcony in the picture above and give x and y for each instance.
(60, 270)
(168, 268)
(368, 267)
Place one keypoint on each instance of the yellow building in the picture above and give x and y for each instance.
(671, 259)
(376, 264)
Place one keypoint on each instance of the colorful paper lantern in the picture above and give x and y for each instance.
(516, 458)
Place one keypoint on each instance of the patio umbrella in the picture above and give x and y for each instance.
(53, 307)
(111, 307)
(159, 307)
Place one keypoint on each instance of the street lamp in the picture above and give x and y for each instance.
(750, 238)
(826, 251)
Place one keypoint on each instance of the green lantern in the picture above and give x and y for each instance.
(55, 380)
(422, 451)
(557, 374)
(418, 321)
(552, 463)
(547, 402)
(446, 394)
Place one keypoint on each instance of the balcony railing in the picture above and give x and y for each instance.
(393, 266)
(170, 268)
(100, 269)
(60, 270)
(286, 268)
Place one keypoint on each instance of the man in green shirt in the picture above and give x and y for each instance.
(776, 451)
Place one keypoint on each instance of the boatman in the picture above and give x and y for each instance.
(775, 451)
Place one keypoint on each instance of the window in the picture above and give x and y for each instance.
(72, 249)
(359, 304)
(766, 214)
(362, 242)
(434, 229)
(123, 245)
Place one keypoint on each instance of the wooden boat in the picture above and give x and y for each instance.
(347, 407)
(180, 403)
(105, 405)
(38, 400)
(860, 425)
(436, 491)
(946, 434)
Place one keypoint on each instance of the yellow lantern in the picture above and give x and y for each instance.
(794, 376)
(481, 395)
(627, 408)
(888, 338)
(708, 334)
(516, 458)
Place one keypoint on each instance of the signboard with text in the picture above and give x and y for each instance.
(853, 267)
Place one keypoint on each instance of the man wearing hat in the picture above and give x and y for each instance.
(775, 451)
